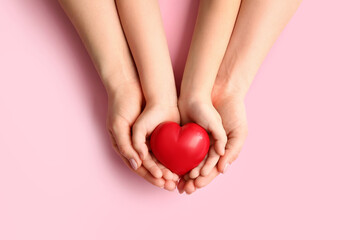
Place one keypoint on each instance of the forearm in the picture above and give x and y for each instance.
(258, 25)
(99, 27)
(144, 31)
(214, 25)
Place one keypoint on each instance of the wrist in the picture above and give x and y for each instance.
(234, 78)
(118, 81)
(168, 99)
(194, 96)
(191, 91)
(159, 89)
(232, 85)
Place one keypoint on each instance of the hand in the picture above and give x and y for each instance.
(203, 113)
(124, 107)
(149, 119)
(230, 105)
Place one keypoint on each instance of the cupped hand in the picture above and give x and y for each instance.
(203, 112)
(125, 102)
(149, 119)
(230, 105)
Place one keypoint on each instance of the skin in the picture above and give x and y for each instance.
(214, 25)
(222, 62)
(258, 25)
(144, 31)
(100, 29)
(232, 110)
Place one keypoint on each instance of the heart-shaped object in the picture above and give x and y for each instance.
(180, 149)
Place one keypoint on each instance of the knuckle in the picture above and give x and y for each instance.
(137, 145)
(137, 127)
(110, 126)
(123, 149)
(113, 124)
(225, 138)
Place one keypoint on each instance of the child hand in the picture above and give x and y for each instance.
(230, 105)
(149, 119)
(203, 113)
(124, 107)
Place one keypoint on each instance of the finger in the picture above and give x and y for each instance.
(175, 177)
(189, 187)
(167, 174)
(139, 140)
(210, 163)
(218, 133)
(186, 177)
(233, 149)
(151, 165)
(181, 185)
(170, 185)
(194, 173)
(121, 137)
(201, 181)
(144, 173)
(159, 182)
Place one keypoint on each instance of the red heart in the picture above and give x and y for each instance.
(180, 149)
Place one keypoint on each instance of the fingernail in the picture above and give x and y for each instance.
(226, 168)
(133, 164)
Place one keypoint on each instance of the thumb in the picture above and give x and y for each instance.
(219, 135)
(139, 139)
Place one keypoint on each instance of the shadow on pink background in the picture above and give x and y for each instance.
(296, 178)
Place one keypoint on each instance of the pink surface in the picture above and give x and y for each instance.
(296, 178)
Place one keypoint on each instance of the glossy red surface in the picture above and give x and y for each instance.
(179, 148)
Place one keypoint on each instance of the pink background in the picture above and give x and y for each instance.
(296, 178)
